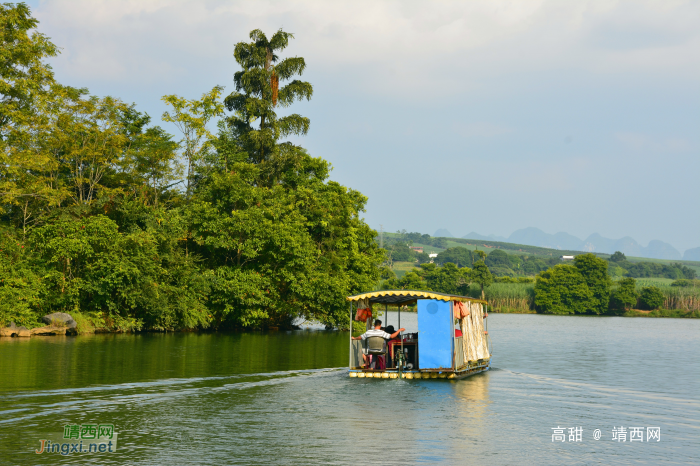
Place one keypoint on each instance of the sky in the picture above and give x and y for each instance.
(486, 116)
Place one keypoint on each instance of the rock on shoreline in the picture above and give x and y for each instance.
(58, 323)
(59, 319)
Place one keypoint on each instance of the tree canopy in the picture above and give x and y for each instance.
(651, 297)
(562, 290)
(113, 219)
(481, 275)
(461, 257)
(625, 295)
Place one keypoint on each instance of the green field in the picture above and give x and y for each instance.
(400, 268)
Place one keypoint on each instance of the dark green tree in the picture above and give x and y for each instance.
(562, 290)
(651, 297)
(400, 252)
(445, 279)
(281, 240)
(422, 257)
(595, 272)
(412, 281)
(94, 219)
(461, 257)
(515, 261)
(385, 273)
(618, 257)
(481, 275)
(625, 295)
(258, 92)
(498, 258)
(533, 265)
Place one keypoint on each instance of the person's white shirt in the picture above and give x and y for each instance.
(375, 332)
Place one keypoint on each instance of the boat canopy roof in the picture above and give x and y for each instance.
(408, 296)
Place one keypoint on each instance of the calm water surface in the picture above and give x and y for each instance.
(284, 398)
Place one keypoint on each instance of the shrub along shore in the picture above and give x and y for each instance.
(520, 298)
(125, 227)
(583, 287)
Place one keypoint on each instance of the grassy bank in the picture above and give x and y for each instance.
(677, 313)
(508, 297)
(520, 298)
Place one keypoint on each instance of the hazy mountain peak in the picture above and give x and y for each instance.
(536, 237)
(443, 233)
(533, 236)
(491, 237)
(692, 254)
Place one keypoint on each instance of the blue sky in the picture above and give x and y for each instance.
(487, 116)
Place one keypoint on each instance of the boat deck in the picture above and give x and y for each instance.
(475, 367)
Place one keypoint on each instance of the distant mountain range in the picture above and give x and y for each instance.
(594, 243)
(442, 233)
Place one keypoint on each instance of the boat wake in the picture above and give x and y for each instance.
(23, 406)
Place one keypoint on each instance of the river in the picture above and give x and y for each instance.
(285, 398)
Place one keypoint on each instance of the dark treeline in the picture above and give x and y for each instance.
(108, 217)
(620, 266)
(583, 286)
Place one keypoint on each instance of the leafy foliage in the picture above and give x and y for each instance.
(651, 297)
(562, 290)
(481, 275)
(595, 272)
(99, 217)
(461, 257)
(618, 257)
(625, 295)
(651, 269)
(581, 288)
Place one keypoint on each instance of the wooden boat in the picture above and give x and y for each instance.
(437, 350)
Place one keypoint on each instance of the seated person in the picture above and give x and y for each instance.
(390, 330)
(376, 332)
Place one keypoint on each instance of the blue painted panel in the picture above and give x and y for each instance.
(434, 334)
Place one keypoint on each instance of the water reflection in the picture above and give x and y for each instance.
(285, 398)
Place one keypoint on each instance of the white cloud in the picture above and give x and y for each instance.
(480, 129)
(484, 90)
(385, 47)
(644, 143)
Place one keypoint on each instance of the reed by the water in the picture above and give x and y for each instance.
(508, 297)
(681, 298)
(520, 297)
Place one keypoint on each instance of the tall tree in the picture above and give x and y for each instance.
(191, 118)
(26, 82)
(625, 295)
(481, 275)
(562, 290)
(258, 92)
(595, 272)
(23, 72)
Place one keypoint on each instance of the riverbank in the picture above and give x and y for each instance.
(519, 298)
(86, 327)
(669, 313)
